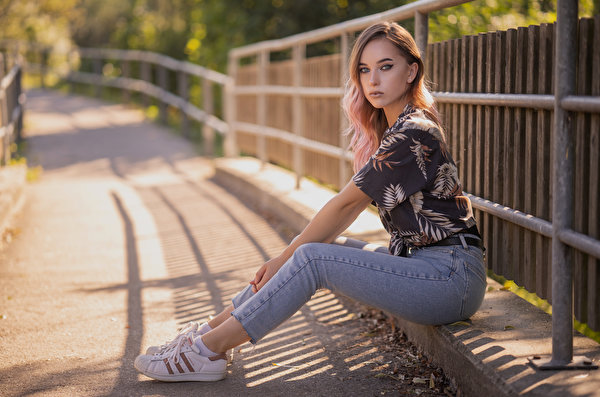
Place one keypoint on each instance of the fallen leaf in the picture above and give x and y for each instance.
(420, 381)
(461, 323)
(507, 327)
(490, 289)
(3, 317)
(432, 382)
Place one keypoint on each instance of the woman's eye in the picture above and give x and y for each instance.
(363, 70)
(386, 67)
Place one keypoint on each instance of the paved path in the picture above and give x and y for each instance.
(124, 238)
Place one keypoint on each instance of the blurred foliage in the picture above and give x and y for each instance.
(203, 31)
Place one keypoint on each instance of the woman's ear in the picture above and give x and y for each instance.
(412, 72)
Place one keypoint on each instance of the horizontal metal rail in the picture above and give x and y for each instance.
(152, 90)
(154, 58)
(404, 12)
(512, 100)
(323, 92)
(286, 136)
(587, 104)
(580, 241)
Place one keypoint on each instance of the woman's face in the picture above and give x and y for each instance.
(385, 76)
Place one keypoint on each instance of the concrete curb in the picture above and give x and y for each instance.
(487, 356)
(12, 193)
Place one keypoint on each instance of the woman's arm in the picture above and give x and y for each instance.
(327, 224)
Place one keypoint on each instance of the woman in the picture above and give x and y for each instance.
(434, 273)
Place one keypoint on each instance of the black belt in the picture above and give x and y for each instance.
(455, 240)
(452, 240)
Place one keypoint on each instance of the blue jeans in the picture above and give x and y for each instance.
(434, 285)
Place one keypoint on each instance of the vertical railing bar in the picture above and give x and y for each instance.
(125, 72)
(183, 91)
(163, 83)
(231, 145)
(208, 104)
(421, 32)
(562, 280)
(261, 106)
(344, 75)
(299, 55)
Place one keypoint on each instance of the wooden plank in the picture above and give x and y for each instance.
(435, 78)
(519, 154)
(457, 78)
(593, 301)
(477, 156)
(497, 257)
(462, 124)
(488, 137)
(509, 144)
(531, 148)
(544, 150)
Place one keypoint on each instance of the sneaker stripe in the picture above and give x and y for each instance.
(166, 361)
(179, 368)
(187, 362)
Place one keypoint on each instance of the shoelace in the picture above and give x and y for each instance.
(185, 332)
(173, 353)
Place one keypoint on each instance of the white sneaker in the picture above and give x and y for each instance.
(182, 363)
(190, 330)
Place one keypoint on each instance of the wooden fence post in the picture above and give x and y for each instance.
(125, 72)
(2, 66)
(261, 106)
(97, 67)
(208, 104)
(146, 76)
(299, 55)
(182, 87)
(162, 82)
(344, 53)
(231, 147)
(4, 122)
(421, 32)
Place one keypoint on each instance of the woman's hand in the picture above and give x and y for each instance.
(328, 223)
(265, 273)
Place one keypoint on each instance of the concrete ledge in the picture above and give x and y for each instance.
(12, 188)
(487, 356)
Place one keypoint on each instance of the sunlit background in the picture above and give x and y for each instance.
(202, 31)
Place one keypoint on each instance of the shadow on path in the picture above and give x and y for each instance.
(135, 321)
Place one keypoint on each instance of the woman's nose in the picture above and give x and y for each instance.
(374, 79)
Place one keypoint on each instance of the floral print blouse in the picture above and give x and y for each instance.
(414, 183)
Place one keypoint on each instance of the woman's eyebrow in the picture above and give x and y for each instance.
(380, 61)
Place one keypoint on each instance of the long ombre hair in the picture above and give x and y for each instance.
(368, 123)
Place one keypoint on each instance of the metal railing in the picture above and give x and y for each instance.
(12, 100)
(161, 92)
(563, 102)
(298, 43)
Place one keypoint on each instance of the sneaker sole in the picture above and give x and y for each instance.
(188, 377)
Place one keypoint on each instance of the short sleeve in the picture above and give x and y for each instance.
(405, 163)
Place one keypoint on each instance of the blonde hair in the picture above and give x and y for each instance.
(368, 123)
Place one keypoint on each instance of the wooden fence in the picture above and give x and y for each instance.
(502, 146)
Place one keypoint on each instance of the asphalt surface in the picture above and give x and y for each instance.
(124, 238)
